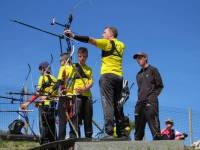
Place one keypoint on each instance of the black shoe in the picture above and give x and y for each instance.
(123, 138)
(88, 138)
(106, 136)
(158, 137)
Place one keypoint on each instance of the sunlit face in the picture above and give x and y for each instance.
(169, 126)
(141, 60)
(62, 62)
(107, 34)
(41, 71)
(82, 57)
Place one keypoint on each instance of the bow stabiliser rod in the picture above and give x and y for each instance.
(10, 98)
(22, 93)
(36, 28)
(30, 94)
(60, 36)
(17, 111)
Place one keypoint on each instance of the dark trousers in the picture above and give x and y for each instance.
(147, 113)
(85, 113)
(47, 123)
(110, 89)
(68, 105)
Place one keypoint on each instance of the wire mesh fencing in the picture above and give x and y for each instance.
(179, 115)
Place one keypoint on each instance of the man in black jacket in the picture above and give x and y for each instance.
(149, 88)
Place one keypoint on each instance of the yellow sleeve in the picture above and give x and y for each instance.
(53, 78)
(103, 44)
(67, 70)
(119, 46)
(40, 82)
(60, 73)
(51, 88)
(91, 81)
(71, 71)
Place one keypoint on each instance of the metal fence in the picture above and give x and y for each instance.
(180, 116)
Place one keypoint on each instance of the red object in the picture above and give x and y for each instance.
(33, 98)
(167, 132)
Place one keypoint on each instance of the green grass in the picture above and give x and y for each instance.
(17, 145)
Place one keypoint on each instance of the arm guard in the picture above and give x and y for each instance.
(84, 39)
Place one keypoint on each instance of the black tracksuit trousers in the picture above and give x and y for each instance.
(110, 89)
(147, 113)
(68, 105)
(47, 123)
(81, 106)
(85, 113)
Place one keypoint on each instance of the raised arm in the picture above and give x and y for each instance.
(100, 43)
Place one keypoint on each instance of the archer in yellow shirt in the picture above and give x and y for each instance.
(83, 83)
(111, 76)
(46, 107)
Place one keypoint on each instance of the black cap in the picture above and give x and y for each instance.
(140, 54)
(45, 65)
(169, 121)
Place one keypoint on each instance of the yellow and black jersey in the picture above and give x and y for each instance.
(66, 74)
(83, 79)
(73, 79)
(112, 53)
(46, 83)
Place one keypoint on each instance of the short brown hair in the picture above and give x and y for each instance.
(65, 56)
(83, 50)
(113, 30)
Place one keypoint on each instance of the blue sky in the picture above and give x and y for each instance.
(168, 31)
